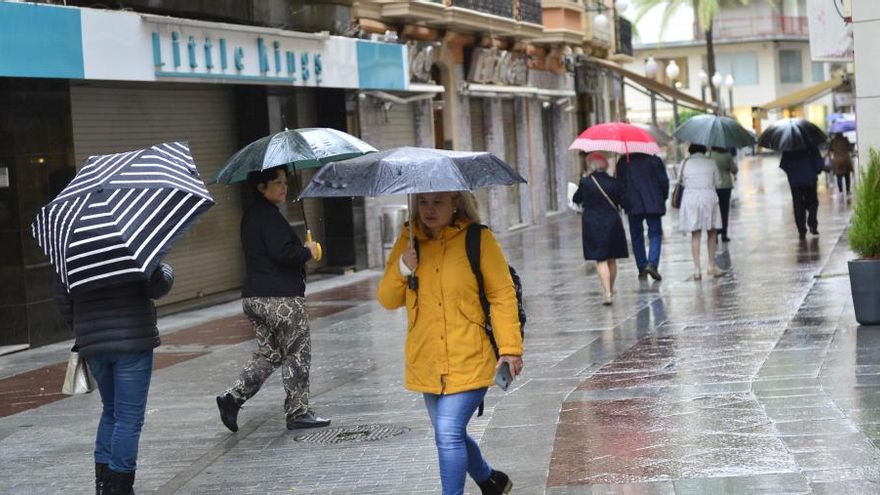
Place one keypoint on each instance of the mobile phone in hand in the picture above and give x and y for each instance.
(503, 377)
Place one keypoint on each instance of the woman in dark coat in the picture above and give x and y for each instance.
(116, 333)
(604, 239)
(273, 299)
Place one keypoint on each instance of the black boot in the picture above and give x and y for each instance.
(101, 478)
(229, 407)
(497, 484)
(119, 483)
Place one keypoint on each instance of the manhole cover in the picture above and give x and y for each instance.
(356, 433)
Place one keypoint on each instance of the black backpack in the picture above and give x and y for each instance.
(472, 247)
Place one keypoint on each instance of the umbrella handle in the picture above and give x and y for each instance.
(320, 250)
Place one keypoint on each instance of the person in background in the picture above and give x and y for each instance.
(839, 150)
(449, 357)
(699, 206)
(645, 189)
(116, 333)
(803, 168)
(727, 171)
(603, 236)
(273, 298)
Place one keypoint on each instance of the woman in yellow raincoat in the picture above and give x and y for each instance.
(449, 358)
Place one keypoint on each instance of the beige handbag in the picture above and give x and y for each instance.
(78, 379)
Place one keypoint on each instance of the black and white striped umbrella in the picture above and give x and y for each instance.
(120, 215)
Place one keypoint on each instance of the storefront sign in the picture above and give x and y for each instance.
(494, 66)
(197, 52)
(84, 43)
(830, 37)
(422, 56)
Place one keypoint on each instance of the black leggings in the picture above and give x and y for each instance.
(840, 179)
(724, 204)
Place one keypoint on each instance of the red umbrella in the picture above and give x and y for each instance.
(616, 137)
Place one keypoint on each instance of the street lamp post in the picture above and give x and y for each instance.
(704, 82)
(672, 73)
(651, 69)
(716, 82)
(728, 83)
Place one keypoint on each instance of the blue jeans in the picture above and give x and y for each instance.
(123, 381)
(655, 238)
(458, 452)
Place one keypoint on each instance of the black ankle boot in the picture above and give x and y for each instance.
(119, 483)
(497, 484)
(101, 478)
(229, 407)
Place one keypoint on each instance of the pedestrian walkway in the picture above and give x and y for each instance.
(758, 382)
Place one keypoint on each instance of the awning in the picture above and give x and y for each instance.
(806, 94)
(415, 92)
(652, 85)
(528, 91)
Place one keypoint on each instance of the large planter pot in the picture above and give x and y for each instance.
(864, 279)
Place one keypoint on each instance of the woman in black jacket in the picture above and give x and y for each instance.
(273, 298)
(603, 236)
(116, 333)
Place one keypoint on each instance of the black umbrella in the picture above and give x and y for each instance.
(410, 170)
(120, 215)
(714, 131)
(792, 135)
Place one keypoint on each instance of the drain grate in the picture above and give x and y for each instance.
(356, 433)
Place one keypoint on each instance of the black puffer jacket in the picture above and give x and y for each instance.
(115, 319)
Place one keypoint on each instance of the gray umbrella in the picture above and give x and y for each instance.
(714, 131)
(410, 170)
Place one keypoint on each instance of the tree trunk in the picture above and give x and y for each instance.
(710, 63)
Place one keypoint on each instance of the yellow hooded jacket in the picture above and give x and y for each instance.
(447, 350)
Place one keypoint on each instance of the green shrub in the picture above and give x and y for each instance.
(864, 232)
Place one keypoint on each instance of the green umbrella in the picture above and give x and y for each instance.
(714, 131)
(297, 148)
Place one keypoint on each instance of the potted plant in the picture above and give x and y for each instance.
(864, 239)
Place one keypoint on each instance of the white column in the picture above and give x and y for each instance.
(866, 25)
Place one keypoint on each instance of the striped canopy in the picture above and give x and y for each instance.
(120, 215)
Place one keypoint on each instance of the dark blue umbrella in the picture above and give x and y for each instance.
(839, 126)
(792, 135)
(410, 170)
(120, 215)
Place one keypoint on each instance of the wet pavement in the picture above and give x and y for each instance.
(756, 382)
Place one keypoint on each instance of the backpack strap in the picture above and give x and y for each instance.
(472, 247)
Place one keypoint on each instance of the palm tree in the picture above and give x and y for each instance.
(704, 14)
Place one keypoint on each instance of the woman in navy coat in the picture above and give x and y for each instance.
(604, 239)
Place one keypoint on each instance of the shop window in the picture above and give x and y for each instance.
(742, 66)
(791, 66)
(818, 72)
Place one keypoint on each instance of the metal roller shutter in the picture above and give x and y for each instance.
(113, 118)
(478, 126)
(396, 127)
(508, 116)
(478, 143)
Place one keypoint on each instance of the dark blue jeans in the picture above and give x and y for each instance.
(123, 380)
(458, 452)
(655, 238)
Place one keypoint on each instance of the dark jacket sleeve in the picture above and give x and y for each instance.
(283, 245)
(662, 178)
(64, 301)
(578, 197)
(160, 282)
(622, 170)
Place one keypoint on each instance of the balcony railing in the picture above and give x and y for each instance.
(624, 37)
(501, 8)
(756, 27)
(530, 11)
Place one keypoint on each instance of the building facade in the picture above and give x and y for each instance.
(79, 82)
(764, 48)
